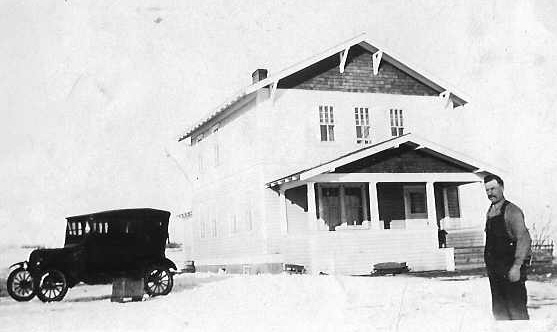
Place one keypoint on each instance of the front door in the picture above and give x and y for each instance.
(331, 206)
(353, 202)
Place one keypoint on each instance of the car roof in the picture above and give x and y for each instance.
(141, 214)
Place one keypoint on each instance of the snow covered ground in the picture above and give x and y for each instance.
(210, 302)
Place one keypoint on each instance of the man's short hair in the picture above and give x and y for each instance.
(492, 177)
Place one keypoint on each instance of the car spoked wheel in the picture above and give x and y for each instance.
(158, 281)
(20, 285)
(52, 286)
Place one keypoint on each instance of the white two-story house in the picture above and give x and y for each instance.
(327, 164)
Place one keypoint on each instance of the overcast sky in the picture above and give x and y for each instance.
(92, 93)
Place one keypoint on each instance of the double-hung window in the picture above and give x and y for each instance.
(361, 115)
(415, 202)
(397, 125)
(326, 123)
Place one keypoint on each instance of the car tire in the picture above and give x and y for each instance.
(51, 286)
(158, 281)
(20, 285)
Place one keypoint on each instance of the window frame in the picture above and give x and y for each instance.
(327, 122)
(408, 190)
(396, 119)
(362, 114)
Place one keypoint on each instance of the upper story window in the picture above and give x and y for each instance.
(361, 115)
(397, 125)
(327, 123)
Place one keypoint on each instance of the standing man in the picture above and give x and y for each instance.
(507, 250)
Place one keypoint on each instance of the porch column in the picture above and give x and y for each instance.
(342, 206)
(283, 216)
(312, 220)
(431, 210)
(373, 205)
(364, 202)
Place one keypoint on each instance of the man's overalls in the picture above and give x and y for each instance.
(508, 299)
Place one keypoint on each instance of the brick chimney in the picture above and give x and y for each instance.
(259, 75)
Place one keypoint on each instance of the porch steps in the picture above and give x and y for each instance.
(465, 238)
(466, 258)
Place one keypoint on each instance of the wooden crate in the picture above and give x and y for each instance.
(294, 269)
(127, 289)
(390, 268)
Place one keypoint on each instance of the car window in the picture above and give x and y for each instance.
(77, 228)
(100, 227)
(133, 227)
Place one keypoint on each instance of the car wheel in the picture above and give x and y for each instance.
(158, 281)
(52, 286)
(20, 285)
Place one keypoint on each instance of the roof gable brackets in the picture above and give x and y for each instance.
(376, 60)
(273, 89)
(343, 57)
(445, 97)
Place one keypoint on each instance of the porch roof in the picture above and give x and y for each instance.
(408, 140)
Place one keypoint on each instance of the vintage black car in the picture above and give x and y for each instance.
(99, 247)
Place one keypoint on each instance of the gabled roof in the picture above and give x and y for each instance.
(411, 140)
(362, 40)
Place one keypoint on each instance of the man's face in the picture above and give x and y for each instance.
(494, 191)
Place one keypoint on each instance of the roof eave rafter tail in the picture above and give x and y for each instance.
(376, 60)
(343, 57)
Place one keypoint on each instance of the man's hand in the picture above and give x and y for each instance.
(514, 273)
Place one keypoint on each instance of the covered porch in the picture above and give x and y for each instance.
(378, 201)
(377, 205)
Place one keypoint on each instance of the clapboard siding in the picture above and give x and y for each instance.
(221, 201)
(355, 251)
(466, 238)
(292, 133)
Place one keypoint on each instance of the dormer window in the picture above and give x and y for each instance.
(361, 115)
(326, 123)
(397, 126)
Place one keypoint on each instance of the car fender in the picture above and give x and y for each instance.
(169, 264)
(20, 264)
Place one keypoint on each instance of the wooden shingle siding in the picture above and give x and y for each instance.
(401, 161)
(357, 77)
